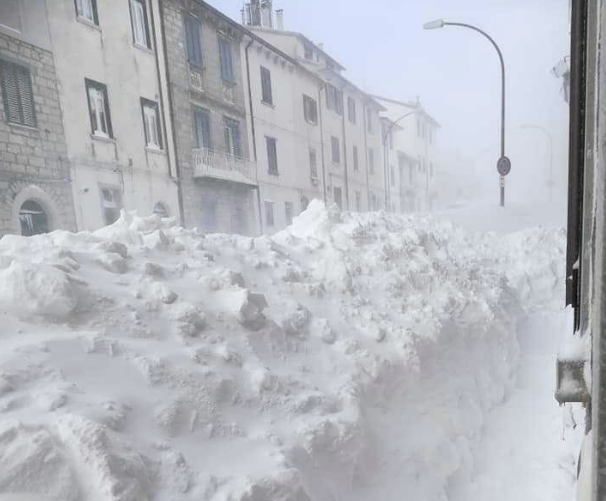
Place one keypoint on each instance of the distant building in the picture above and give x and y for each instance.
(415, 144)
(35, 183)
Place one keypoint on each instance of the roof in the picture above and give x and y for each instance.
(304, 39)
(409, 104)
(371, 99)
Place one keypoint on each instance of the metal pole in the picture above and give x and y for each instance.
(494, 44)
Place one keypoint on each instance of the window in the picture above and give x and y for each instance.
(308, 52)
(304, 203)
(310, 109)
(338, 196)
(288, 212)
(193, 40)
(313, 165)
(430, 169)
(356, 160)
(98, 107)
(351, 109)
(336, 150)
(201, 119)
(33, 219)
(209, 212)
(272, 156)
(232, 137)
(358, 201)
(371, 161)
(269, 213)
(334, 99)
(87, 9)
(369, 120)
(227, 69)
(138, 21)
(392, 175)
(151, 124)
(266, 86)
(10, 15)
(160, 210)
(111, 203)
(17, 94)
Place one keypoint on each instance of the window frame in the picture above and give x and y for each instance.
(231, 125)
(334, 99)
(335, 151)
(269, 221)
(308, 101)
(152, 105)
(225, 42)
(94, 12)
(197, 111)
(356, 159)
(193, 45)
(29, 93)
(313, 166)
(266, 87)
(351, 109)
(146, 32)
(271, 148)
(98, 86)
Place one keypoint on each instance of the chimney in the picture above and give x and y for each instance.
(280, 19)
(267, 14)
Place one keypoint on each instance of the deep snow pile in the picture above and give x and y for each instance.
(351, 356)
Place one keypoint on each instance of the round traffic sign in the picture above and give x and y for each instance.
(504, 166)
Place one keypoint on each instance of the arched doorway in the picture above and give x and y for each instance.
(33, 219)
(160, 210)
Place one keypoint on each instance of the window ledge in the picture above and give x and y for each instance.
(23, 127)
(157, 151)
(228, 84)
(275, 174)
(103, 139)
(311, 123)
(269, 105)
(87, 22)
(143, 48)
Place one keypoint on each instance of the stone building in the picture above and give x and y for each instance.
(207, 93)
(35, 183)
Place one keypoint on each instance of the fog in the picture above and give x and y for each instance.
(455, 72)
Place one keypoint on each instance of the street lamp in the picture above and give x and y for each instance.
(550, 182)
(503, 164)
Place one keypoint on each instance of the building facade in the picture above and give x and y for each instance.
(35, 183)
(116, 124)
(207, 96)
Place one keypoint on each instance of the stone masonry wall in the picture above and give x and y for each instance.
(33, 161)
(198, 194)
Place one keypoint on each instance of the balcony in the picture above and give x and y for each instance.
(216, 165)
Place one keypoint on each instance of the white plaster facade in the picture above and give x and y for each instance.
(415, 154)
(103, 50)
(280, 119)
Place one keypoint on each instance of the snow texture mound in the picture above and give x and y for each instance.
(351, 356)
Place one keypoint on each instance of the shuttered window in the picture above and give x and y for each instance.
(193, 39)
(227, 69)
(310, 109)
(98, 107)
(356, 160)
(202, 128)
(371, 161)
(335, 150)
(232, 137)
(17, 94)
(266, 86)
(272, 156)
(151, 124)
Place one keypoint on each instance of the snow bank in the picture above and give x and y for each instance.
(351, 356)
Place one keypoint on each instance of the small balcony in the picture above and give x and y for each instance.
(213, 164)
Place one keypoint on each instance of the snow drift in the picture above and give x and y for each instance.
(351, 356)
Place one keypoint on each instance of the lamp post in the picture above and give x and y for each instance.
(503, 164)
(386, 153)
(550, 182)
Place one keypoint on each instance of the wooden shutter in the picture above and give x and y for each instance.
(17, 94)
(193, 39)
(266, 86)
(272, 156)
(227, 72)
(202, 128)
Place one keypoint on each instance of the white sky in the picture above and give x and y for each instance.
(454, 71)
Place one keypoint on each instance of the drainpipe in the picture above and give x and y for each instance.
(366, 156)
(322, 87)
(345, 173)
(253, 132)
(177, 179)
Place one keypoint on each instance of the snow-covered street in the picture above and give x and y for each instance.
(349, 357)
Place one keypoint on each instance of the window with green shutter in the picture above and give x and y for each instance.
(193, 40)
(17, 94)
(227, 69)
